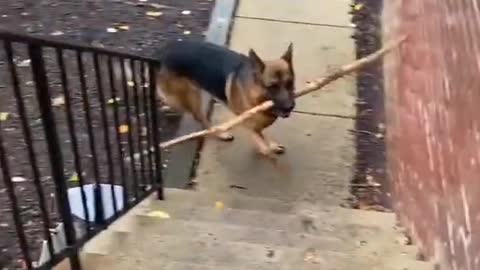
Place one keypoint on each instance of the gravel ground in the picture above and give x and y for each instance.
(370, 186)
(139, 28)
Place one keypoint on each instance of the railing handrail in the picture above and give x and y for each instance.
(40, 72)
(42, 41)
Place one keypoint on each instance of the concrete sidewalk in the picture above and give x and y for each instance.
(320, 149)
(246, 213)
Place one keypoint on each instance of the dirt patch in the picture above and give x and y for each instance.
(370, 186)
(82, 22)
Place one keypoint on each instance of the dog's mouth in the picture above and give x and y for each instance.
(282, 113)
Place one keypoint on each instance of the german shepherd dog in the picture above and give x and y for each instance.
(238, 81)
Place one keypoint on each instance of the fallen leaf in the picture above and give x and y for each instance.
(159, 6)
(381, 126)
(237, 187)
(74, 178)
(113, 101)
(124, 27)
(24, 63)
(123, 129)
(186, 12)
(111, 30)
(4, 116)
(312, 256)
(358, 7)
(159, 214)
(130, 83)
(56, 33)
(18, 179)
(186, 32)
(58, 101)
(143, 0)
(154, 13)
(219, 205)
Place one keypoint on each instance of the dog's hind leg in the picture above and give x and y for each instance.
(183, 94)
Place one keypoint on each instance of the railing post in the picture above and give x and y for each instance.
(17, 219)
(97, 192)
(54, 149)
(156, 139)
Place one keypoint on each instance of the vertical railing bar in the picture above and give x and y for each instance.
(54, 149)
(98, 201)
(139, 123)
(117, 133)
(155, 130)
(7, 178)
(31, 152)
(129, 124)
(73, 135)
(101, 97)
(147, 121)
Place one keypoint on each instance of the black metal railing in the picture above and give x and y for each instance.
(79, 144)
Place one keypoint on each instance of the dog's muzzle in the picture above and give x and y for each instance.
(283, 112)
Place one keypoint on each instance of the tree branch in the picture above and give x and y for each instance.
(311, 87)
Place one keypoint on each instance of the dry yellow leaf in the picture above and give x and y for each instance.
(74, 178)
(4, 116)
(219, 205)
(154, 13)
(159, 214)
(113, 101)
(123, 129)
(58, 101)
(358, 7)
(124, 27)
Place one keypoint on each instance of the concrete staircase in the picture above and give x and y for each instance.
(205, 231)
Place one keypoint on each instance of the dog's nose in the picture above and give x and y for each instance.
(291, 107)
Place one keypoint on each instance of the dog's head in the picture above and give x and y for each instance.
(277, 80)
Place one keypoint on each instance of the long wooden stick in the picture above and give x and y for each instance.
(313, 86)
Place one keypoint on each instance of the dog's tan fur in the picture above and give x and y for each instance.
(183, 94)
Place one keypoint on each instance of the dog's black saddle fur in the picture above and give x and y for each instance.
(207, 64)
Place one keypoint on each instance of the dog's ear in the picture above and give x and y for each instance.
(256, 61)
(288, 55)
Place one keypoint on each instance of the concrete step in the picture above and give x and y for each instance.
(238, 233)
(327, 221)
(407, 265)
(234, 199)
(212, 252)
(192, 266)
(89, 262)
(404, 258)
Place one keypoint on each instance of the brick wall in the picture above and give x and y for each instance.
(432, 89)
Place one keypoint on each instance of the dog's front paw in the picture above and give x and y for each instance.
(225, 136)
(277, 148)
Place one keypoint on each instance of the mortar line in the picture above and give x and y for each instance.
(294, 22)
(326, 114)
